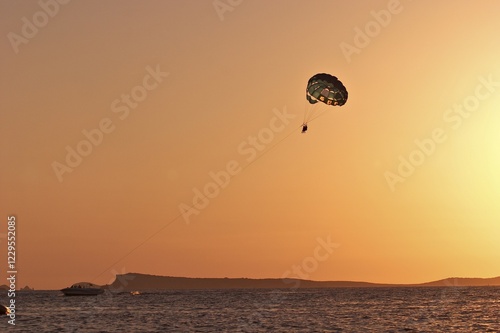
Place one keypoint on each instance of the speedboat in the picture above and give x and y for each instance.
(83, 289)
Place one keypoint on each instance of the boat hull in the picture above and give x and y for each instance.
(82, 291)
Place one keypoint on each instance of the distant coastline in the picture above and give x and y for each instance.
(142, 282)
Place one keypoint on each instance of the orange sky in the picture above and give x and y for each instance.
(400, 185)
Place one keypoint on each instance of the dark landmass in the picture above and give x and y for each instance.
(6, 287)
(465, 282)
(140, 282)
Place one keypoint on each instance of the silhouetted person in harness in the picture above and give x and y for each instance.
(304, 128)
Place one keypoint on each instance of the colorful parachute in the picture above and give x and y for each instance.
(326, 89)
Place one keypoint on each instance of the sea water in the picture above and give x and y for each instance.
(420, 309)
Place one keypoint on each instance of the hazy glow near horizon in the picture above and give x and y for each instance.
(118, 116)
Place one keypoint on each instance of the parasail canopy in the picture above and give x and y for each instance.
(327, 89)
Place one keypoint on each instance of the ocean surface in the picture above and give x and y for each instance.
(433, 309)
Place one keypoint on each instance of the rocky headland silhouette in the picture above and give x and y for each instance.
(142, 282)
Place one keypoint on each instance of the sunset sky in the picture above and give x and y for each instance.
(116, 115)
